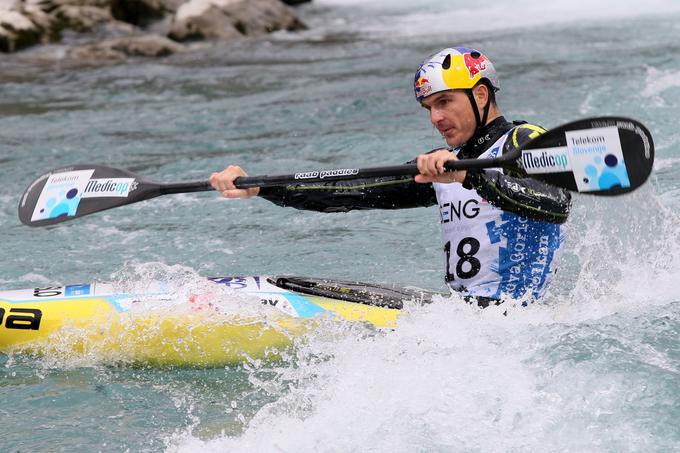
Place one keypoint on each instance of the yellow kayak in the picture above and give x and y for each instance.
(152, 327)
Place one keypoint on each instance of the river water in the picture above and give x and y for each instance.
(594, 367)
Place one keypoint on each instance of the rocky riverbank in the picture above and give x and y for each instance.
(117, 29)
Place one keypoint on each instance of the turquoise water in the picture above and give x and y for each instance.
(595, 367)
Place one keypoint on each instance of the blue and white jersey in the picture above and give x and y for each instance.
(494, 253)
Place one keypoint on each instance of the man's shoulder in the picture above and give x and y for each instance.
(522, 133)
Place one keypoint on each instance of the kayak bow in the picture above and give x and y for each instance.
(94, 320)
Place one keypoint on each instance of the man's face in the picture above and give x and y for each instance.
(451, 113)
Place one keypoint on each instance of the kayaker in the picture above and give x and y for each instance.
(502, 230)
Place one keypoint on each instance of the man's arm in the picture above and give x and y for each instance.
(343, 196)
(515, 191)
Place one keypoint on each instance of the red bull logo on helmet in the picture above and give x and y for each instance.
(422, 86)
(475, 63)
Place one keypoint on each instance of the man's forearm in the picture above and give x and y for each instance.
(343, 196)
(523, 196)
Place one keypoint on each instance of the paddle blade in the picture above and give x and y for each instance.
(599, 156)
(70, 192)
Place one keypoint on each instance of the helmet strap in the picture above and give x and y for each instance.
(481, 120)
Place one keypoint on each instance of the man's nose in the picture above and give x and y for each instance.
(436, 115)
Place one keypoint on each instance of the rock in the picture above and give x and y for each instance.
(81, 18)
(23, 26)
(24, 23)
(211, 23)
(40, 18)
(16, 31)
(129, 46)
(141, 12)
(228, 19)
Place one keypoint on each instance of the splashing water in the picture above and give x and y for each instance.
(593, 367)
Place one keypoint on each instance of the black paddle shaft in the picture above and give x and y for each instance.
(600, 156)
(246, 182)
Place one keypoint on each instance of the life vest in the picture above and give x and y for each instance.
(493, 253)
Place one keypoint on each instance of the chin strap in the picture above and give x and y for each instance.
(481, 122)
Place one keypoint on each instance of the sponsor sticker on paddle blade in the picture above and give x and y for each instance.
(61, 194)
(109, 187)
(546, 160)
(597, 159)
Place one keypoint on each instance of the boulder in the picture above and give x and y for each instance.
(23, 25)
(142, 12)
(128, 46)
(228, 19)
(81, 18)
(210, 23)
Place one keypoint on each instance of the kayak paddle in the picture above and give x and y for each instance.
(598, 156)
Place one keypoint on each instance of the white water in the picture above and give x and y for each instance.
(593, 368)
(405, 18)
(589, 372)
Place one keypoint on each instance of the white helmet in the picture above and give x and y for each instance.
(454, 68)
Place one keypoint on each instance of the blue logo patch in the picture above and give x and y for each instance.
(77, 290)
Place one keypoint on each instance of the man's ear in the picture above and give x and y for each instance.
(481, 94)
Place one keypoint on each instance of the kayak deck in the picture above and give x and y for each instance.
(93, 320)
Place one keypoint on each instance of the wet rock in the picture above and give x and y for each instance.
(81, 18)
(229, 19)
(143, 12)
(210, 23)
(24, 23)
(129, 46)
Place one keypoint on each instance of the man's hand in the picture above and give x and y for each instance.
(431, 168)
(223, 182)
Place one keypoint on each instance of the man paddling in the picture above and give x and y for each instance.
(502, 230)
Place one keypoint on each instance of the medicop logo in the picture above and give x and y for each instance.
(111, 187)
(546, 160)
(63, 192)
(594, 156)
